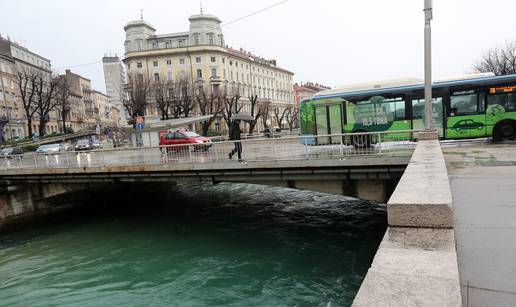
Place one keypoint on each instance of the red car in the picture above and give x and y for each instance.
(180, 137)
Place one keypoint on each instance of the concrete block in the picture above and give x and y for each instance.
(422, 197)
(426, 135)
(413, 267)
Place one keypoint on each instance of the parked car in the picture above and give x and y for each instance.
(11, 151)
(180, 137)
(83, 144)
(49, 149)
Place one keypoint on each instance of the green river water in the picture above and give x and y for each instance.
(193, 245)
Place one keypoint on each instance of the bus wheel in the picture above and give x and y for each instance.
(361, 141)
(505, 131)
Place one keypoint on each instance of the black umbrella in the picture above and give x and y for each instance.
(243, 116)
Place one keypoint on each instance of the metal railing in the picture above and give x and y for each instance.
(306, 147)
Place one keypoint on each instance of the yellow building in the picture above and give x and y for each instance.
(201, 57)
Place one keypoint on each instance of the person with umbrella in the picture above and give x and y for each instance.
(234, 133)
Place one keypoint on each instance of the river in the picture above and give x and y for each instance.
(194, 245)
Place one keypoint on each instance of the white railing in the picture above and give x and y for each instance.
(336, 146)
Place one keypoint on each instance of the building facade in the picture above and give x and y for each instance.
(15, 59)
(88, 107)
(201, 57)
(307, 90)
(114, 76)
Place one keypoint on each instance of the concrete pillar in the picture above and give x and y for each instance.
(372, 189)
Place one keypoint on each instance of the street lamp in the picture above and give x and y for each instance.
(428, 65)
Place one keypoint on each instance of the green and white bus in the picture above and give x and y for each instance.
(481, 105)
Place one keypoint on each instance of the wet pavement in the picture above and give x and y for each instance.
(483, 183)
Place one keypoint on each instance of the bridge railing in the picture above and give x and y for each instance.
(306, 147)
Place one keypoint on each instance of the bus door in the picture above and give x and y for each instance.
(418, 113)
(321, 124)
(466, 115)
(328, 119)
(335, 122)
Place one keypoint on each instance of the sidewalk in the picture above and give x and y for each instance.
(483, 184)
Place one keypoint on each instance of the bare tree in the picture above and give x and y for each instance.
(137, 90)
(209, 104)
(63, 101)
(292, 116)
(498, 60)
(45, 102)
(163, 90)
(231, 101)
(26, 81)
(279, 118)
(255, 112)
(186, 98)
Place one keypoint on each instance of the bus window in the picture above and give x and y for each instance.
(464, 104)
(507, 101)
(418, 114)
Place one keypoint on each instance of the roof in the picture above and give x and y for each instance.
(251, 57)
(204, 16)
(136, 23)
(398, 85)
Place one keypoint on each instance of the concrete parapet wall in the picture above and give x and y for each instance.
(416, 263)
(423, 196)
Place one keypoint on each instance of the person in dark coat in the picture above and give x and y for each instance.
(234, 134)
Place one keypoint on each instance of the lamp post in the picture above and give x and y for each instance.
(428, 65)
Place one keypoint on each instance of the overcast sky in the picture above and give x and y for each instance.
(333, 42)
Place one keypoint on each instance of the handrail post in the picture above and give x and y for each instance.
(379, 143)
(341, 148)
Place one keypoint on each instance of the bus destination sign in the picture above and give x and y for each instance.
(505, 89)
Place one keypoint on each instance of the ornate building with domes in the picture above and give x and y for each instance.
(201, 56)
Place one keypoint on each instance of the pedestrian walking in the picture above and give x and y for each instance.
(234, 134)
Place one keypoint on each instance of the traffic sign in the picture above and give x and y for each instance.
(140, 126)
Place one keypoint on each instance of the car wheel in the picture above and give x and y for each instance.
(505, 131)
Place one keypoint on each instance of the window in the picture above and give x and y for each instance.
(181, 61)
(199, 73)
(212, 59)
(198, 59)
(210, 39)
(181, 43)
(154, 45)
(156, 76)
(169, 62)
(231, 75)
(128, 66)
(462, 103)
(167, 45)
(214, 72)
(223, 60)
(196, 39)
(139, 64)
(140, 78)
(169, 76)
(155, 63)
(506, 100)
(230, 62)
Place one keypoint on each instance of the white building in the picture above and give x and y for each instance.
(201, 56)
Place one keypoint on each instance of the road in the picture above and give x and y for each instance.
(483, 182)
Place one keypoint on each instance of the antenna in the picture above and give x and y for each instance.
(141, 14)
(201, 6)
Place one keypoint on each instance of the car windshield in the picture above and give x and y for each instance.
(191, 134)
(7, 151)
(82, 142)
